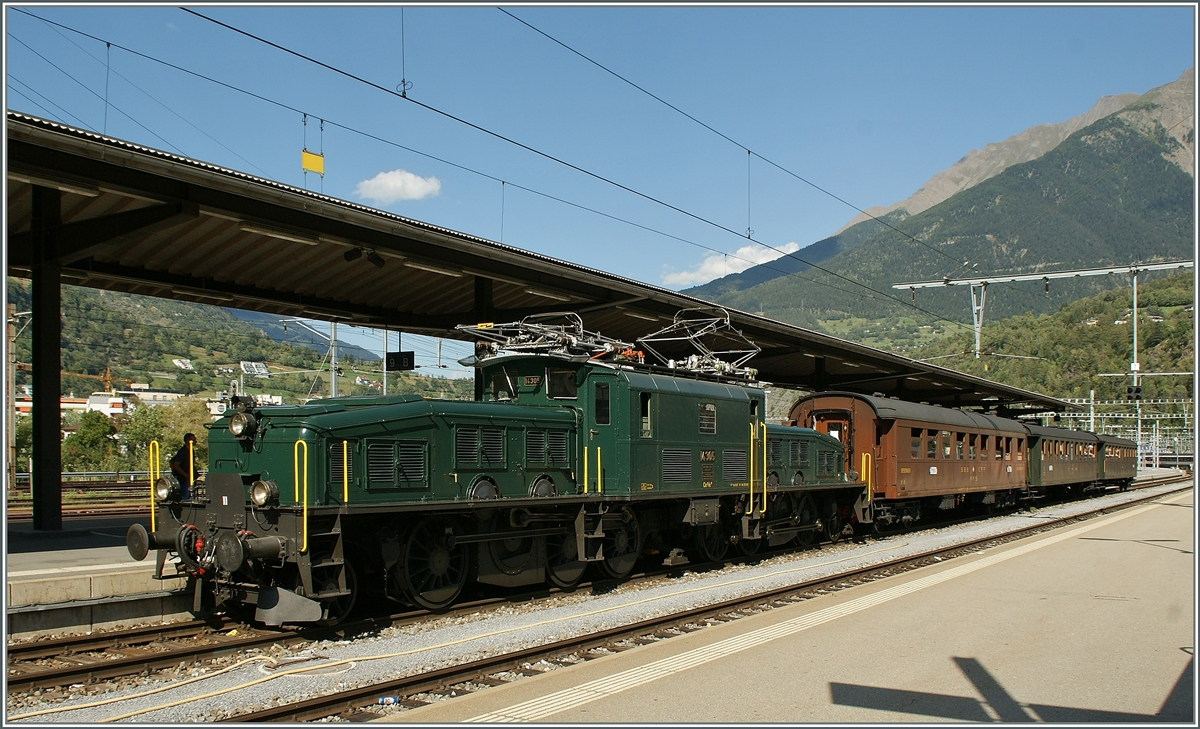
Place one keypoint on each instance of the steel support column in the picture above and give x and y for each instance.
(47, 361)
(483, 311)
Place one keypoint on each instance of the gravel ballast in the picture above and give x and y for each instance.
(441, 642)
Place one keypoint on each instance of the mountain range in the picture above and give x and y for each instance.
(1110, 187)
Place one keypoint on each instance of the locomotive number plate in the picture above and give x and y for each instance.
(708, 456)
(531, 380)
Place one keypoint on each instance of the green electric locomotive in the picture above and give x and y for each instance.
(566, 460)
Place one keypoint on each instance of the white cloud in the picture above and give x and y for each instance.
(389, 187)
(716, 265)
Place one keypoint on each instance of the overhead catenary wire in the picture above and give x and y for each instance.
(441, 160)
(961, 265)
(545, 155)
(98, 96)
(108, 46)
(724, 136)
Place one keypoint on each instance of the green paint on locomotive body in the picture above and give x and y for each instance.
(545, 422)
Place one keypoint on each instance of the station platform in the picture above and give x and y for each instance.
(1088, 623)
(82, 578)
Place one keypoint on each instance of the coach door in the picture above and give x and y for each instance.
(838, 424)
(601, 466)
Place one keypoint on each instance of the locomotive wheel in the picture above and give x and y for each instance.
(434, 573)
(622, 547)
(711, 541)
(563, 567)
(339, 608)
(511, 555)
(833, 521)
(808, 516)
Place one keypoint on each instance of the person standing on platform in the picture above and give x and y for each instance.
(183, 466)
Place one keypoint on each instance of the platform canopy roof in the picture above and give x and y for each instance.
(148, 222)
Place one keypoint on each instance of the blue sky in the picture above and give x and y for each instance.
(865, 102)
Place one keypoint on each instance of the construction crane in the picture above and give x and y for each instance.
(106, 378)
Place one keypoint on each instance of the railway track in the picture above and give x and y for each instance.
(349, 702)
(88, 659)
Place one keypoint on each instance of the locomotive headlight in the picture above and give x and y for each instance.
(263, 493)
(166, 489)
(241, 425)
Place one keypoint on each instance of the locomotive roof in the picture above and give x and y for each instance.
(889, 409)
(773, 429)
(643, 377)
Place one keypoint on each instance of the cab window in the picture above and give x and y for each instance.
(560, 384)
(601, 409)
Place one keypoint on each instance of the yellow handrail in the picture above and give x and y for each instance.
(764, 468)
(585, 468)
(191, 464)
(599, 472)
(296, 472)
(868, 475)
(155, 473)
(750, 461)
(345, 472)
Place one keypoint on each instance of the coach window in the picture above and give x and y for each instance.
(931, 444)
(972, 440)
(999, 452)
(1008, 449)
(983, 447)
(1020, 449)
(945, 444)
(601, 408)
(916, 443)
(958, 446)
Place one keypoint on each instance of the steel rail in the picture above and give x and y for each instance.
(351, 700)
(130, 660)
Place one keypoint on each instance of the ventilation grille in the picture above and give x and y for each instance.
(799, 452)
(733, 465)
(336, 462)
(774, 451)
(558, 447)
(535, 446)
(466, 446)
(826, 463)
(381, 463)
(493, 447)
(676, 466)
(412, 462)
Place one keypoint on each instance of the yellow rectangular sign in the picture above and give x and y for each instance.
(312, 162)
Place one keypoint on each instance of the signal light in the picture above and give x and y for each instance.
(1133, 393)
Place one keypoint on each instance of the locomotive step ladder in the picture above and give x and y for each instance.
(589, 532)
(323, 566)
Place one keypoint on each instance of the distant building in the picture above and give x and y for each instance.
(109, 403)
(149, 396)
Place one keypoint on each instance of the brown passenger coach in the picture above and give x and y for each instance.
(913, 455)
